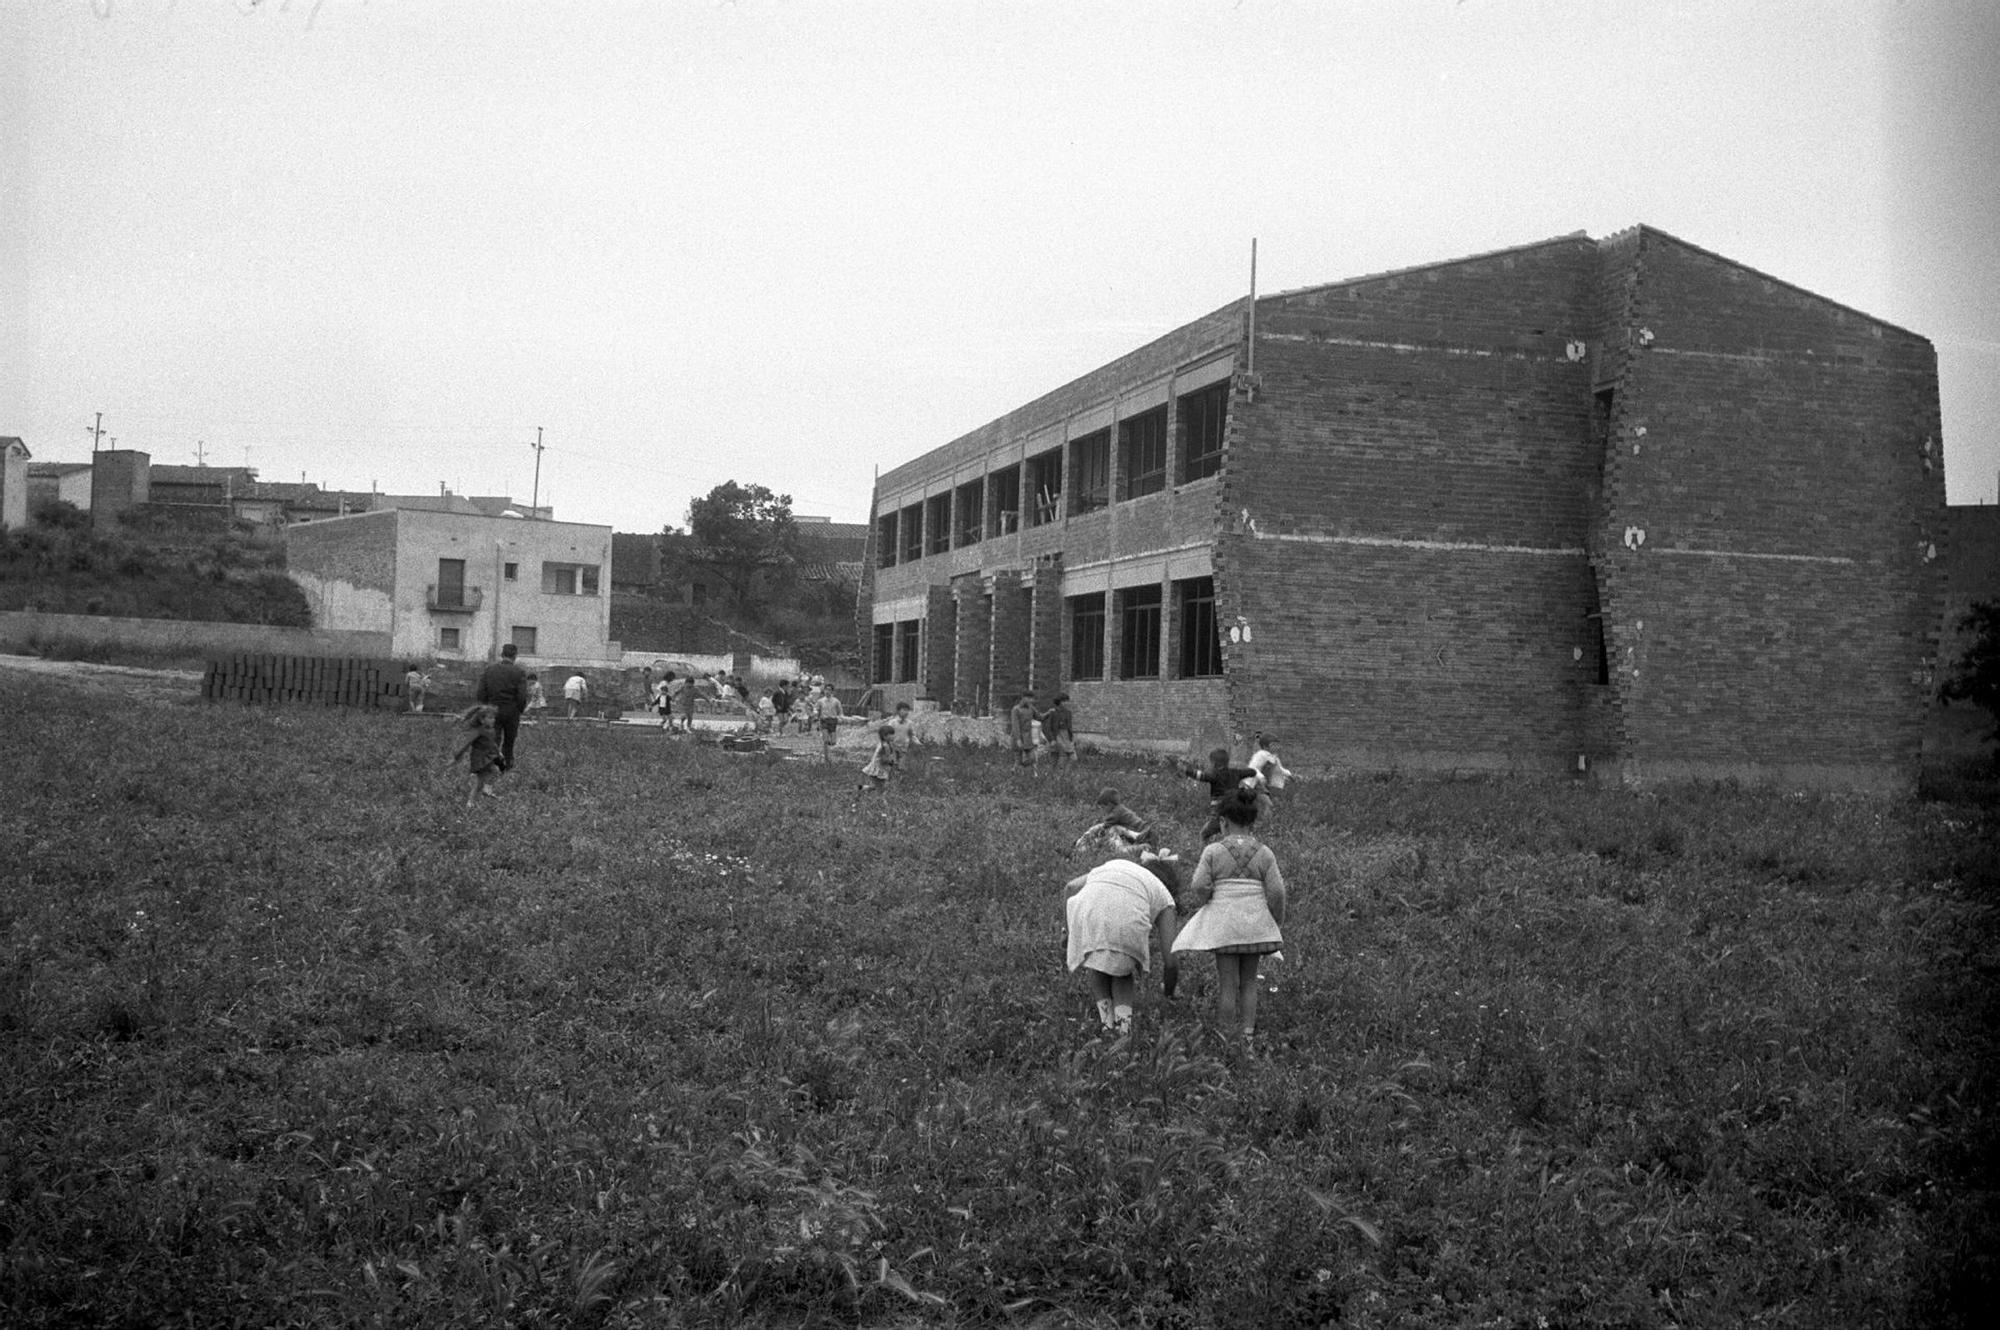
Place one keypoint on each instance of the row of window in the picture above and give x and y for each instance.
(453, 639)
(994, 504)
(1138, 614)
(558, 579)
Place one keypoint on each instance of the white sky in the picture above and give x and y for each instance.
(787, 243)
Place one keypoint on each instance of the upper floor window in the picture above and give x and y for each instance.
(569, 579)
(1142, 454)
(1045, 483)
(1003, 514)
(1090, 472)
(937, 524)
(1202, 416)
(885, 541)
(911, 527)
(971, 513)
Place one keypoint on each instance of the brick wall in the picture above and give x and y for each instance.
(1045, 630)
(972, 641)
(1403, 513)
(940, 644)
(1009, 642)
(1779, 456)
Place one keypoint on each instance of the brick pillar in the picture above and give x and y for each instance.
(972, 639)
(1045, 627)
(1011, 629)
(940, 664)
(1170, 632)
(1114, 635)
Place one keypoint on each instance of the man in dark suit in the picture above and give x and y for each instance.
(504, 686)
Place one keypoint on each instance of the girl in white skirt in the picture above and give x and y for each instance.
(1116, 912)
(1237, 899)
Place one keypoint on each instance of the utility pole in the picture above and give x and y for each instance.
(96, 432)
(200, 453)
(535, 503)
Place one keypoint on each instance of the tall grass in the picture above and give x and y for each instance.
(676, 1037)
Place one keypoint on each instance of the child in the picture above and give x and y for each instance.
(904, 736)
(767, 714)
(1059, 732)
(1111, 911)
(663, 700)
(1220, 778)
(875, 776)
(1237, 899)
(1021, 729)
(416, 683)
(1117, 827)
(828, 707)
(1271, 773)
(484, 747)
(538, 698)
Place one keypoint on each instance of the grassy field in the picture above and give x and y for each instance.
(673, 1038)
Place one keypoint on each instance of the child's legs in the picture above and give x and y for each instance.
(1247, 996)
(1102, 985)
(1228, 985)
(1124, 990)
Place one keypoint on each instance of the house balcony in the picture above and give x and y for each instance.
(453, 599)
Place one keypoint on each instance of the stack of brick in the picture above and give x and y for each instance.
(333, 681)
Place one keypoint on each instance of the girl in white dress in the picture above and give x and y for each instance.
(1234, 905)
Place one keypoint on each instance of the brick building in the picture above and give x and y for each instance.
(1618, 505)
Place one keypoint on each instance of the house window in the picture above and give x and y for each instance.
(911, 525)
(1139, 626)
(1090, 473)
(524, 640)
(569, 579)
(885, 541)
(971, 512)
(512, 572)
(451, 582)
(1086, 636)
(448, 638)
(1203, 415)
(1200, 646)
(885, 652)
(1004, 516)
(1142, 454)
(1044, 487)
(908, 641)
(937, 524)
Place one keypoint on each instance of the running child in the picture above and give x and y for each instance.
(875, 776)
(481, 749)
(1220, 778)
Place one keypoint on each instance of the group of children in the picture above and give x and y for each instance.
(1233, 907)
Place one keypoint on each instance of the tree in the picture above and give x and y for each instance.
(1975, 675)
(743, 535)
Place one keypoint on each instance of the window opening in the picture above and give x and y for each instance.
(971, 513)
(1200, 644)
(1086, 636)
(1139, 629)
(1142, 454)
(908, 650)
(911, 524)
(885, 541)
(1004, 514)
(1045, 484)
(937, 524)
(523, 640)
(885, 652)
(1090, 473)
(1203, 415)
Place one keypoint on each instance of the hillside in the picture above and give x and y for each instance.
(145, 569)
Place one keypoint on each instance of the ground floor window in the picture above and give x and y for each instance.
(1086, 636)
(1200, 646)
(524, 640)
(1139, 632)
(448, 638)
(908, 645)
(885, 652)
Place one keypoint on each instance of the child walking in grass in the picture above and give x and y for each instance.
(1116, 913)
(1271, 772)
(875, 776)
(480, 746)
(1235, 905)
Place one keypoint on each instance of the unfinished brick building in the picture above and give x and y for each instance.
(1615, 505)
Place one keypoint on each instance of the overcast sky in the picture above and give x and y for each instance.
(787, 243)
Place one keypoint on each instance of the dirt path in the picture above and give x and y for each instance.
(168, 683)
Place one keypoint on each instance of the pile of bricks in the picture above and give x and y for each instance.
(332, 681)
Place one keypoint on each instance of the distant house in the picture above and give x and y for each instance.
(458, 585)
(13, 483)
(483, 505)
(209, 486)
(830, 551)
(66, 482)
